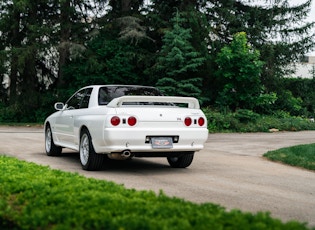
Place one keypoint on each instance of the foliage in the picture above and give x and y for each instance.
(249, 121)
(288, 102)
(300, 155)
(245, 115)
(266, 103)
(178, 61)
(239, 71)
(59, 46)
(171, 87)
(33, 40)
(303, 90)
(29, 113)
(36, 197)
(271, 28)
(105, 62)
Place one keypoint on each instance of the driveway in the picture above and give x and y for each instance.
(230, 171)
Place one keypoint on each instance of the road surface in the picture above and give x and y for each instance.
(230, 171)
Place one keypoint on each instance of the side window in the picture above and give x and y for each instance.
(103, 96)
(75, 100)
(86, 99)
(80, 99)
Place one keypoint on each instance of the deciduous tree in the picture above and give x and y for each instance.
(240, 72)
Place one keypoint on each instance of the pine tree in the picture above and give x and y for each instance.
(26, 31)
(31, 34)
(178, 61)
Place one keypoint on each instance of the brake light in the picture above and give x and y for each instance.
(201, 121)
(115, 121)
(187, 121)
(132, 121)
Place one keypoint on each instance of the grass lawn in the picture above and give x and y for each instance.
(301, 156)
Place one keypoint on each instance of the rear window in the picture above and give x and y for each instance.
(108, 93)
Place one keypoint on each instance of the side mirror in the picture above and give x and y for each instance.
(59, 106)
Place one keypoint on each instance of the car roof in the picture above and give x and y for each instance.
(116, 85)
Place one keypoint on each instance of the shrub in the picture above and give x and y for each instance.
(26, 112)
(36, 197)
(248, 121)
(245, 115)
(220, 122)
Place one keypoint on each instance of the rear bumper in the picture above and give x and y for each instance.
(134, 140)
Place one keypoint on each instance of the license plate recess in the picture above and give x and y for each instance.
(162, 142)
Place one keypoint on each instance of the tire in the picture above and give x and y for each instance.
(90, 160)
(182, 161)
(50, 147)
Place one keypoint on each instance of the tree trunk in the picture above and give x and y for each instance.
(29, 80)
(125, 6)
(15, 43)
(64, 41)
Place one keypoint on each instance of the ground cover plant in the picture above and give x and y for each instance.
(301, 156)
(244, 120)
(37, 197)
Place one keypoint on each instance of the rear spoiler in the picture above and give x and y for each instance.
(192, 102)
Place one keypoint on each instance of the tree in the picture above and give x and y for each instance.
(51, 45)
(65, 37)
(26, 30)
(160, 20)
(178, 61)
(30, 34)
(106, 61)
(77, 24)
(118, 54)
(239, 69)
(275, 28)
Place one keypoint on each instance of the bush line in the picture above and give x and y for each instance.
(37, 197)
(248, 121)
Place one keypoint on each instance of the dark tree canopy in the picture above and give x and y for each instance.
(49, 48)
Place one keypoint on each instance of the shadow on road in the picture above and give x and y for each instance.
(131, 165)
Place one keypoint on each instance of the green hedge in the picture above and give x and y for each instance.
(36, 197)
(248, 121)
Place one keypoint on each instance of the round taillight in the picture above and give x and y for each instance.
(187, 121)
(132, 121)
(115, 121)
(201, 121)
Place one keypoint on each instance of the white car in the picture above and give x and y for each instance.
(125, 121)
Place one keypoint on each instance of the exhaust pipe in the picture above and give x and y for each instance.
(126, 153)
(120, 156)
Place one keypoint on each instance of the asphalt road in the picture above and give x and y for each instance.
(230, 171)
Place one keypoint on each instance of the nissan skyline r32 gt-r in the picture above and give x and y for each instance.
(125, 121)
